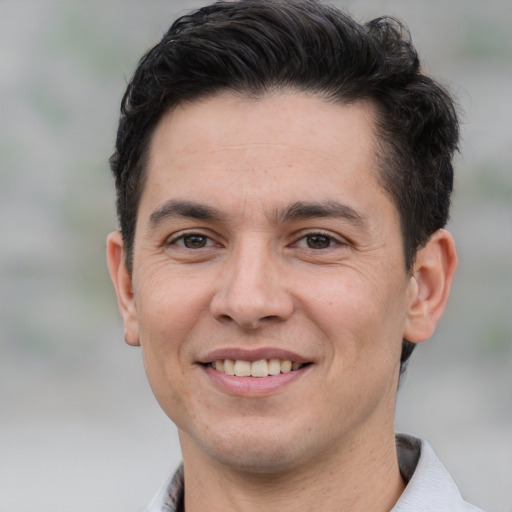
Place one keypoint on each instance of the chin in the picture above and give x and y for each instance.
(259, 449)
(263, 458)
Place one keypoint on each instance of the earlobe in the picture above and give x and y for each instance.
(433, 272)
(122, 281)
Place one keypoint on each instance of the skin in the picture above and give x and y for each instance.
(330, 287)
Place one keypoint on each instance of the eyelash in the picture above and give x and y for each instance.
(332, 240)
(209, 242)
(181, 238)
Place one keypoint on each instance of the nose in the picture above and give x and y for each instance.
(252, 292)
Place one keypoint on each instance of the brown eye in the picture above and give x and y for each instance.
(195, 241)
(318, 241)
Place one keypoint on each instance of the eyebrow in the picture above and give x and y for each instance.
(187, 209)
(299, 210)
(308, 210)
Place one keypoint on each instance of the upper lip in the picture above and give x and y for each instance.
(252, 355)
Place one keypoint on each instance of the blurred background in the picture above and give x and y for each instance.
(79, 428)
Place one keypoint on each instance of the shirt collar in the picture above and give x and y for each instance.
(171, 496)
(429, 485)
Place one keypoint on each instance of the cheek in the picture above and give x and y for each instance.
(168, 311)
(362, 314)
(360, 322)
(165, 321)
(169, 304)
(347, 299)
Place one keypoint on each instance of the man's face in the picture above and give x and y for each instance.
(264, 235)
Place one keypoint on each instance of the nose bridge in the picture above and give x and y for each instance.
(252, 288)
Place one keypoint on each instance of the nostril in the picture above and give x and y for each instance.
(269, 317)
(224, 318)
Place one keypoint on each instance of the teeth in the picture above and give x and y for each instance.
(274, 367)
(286, 366)
(242, 368)
(261, 368)
(229, 367)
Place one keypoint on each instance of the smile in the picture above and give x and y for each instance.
(260, 368)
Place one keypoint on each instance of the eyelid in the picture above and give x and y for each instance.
(181, 235)
(338, 239)
(213, 240)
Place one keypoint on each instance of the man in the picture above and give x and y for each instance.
(283, 179)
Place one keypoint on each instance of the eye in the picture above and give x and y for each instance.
(317, 241)
(192, 241)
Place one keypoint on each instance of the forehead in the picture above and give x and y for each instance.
(284, 146)
(305, 120)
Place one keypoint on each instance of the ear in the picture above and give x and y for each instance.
(433, 271)
(122, 280)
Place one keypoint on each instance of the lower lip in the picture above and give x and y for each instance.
(254, 386)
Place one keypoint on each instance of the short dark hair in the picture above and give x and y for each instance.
(251, 47)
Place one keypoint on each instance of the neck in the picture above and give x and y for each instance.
(361, 477)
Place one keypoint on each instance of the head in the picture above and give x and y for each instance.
(283, 174)
(253, 48)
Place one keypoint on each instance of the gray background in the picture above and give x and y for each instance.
(79, 428)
